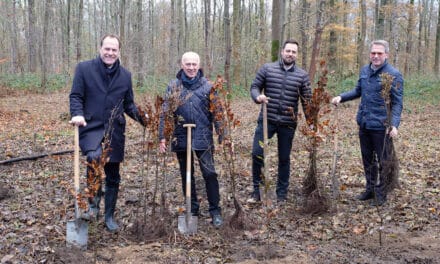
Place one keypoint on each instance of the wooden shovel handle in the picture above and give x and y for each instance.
(76, 161)
(188, 170)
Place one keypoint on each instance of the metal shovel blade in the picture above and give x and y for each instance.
(187, 226)
(77, 233)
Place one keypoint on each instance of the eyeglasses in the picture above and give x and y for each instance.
(376, 53)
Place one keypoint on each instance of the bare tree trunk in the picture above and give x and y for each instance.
(173, 38)
(139, 45)
(380, 19)
(333, 45)
(362, 34)
(236, 39)
(262, 32)
(32, 39)
(316, 47)
(122, 26)
(78, 30)
(44, 50)
(207, 29)
(304, 25)
(227, 31)
(277, 22)
(409, 31)
(15, 51)
(437, 46)
(181, 45)
(420, 35)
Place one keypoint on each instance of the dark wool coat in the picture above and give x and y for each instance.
(194, 108)
(101, 96)
(372, 112)
(284, 89)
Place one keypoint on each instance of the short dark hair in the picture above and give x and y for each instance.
(290, 41)
(110, 36)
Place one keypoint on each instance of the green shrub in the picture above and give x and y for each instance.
(32, 81)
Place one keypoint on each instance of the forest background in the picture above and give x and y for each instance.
(41, 41)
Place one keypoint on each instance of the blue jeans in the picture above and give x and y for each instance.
(285, 136)
(373, 155)
(206, 161)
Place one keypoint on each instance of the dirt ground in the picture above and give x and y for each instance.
(36, 199)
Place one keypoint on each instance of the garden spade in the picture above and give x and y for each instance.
(187, 224)
(77, 229)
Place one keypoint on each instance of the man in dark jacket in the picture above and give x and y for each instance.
(280, 85)
(193, 92)
(101, 94)
(372, 117)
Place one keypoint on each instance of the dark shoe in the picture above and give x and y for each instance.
(195, 213)
(379, 201)
(217, 220)
(365, 196)
(255, 197)
(281, 201)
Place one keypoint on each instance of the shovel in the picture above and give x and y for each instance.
(77, 230)
(187, 224)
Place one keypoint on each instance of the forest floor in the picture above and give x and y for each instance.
(36, 199)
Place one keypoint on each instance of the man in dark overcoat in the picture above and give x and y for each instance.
(101, 94)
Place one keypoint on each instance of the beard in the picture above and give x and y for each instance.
(288, 61)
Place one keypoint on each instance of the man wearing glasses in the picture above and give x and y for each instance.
(374, 132)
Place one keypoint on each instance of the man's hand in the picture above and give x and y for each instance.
(393, 132)
(78, 121)
(163, 146)
(262, 99)
(336, 100)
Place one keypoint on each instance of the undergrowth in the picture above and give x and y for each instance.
(420, 88)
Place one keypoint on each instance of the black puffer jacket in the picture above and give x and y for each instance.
(193, 108)
(284, 88)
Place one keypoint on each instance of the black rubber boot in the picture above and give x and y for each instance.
(111, 196)
(94, 205)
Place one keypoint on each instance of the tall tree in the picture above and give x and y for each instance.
(304, 25)
(122, 25)
(79, 30)
(316, 46)
(380, 19)
(227, 32)
(173, 38)
(277, 23)
(207, 29)
(236, 40)
(139, 45)
(44, 49)
(15, 51)
(32, 37)
(409, 40)
(362, 33)
(437, 46)
(333, 45)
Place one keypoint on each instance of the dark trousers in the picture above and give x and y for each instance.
(373, 155)
(206, 161)
(285, 136)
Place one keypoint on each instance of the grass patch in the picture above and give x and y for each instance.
(32, 81)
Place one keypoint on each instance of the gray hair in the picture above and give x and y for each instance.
(381, 42)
